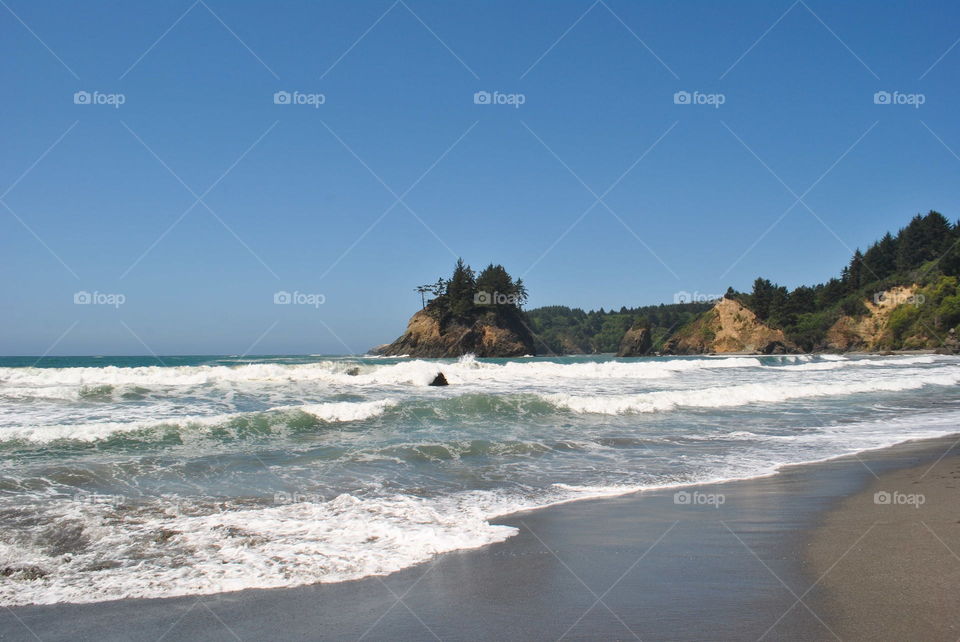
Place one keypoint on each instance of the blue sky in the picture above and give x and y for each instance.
(199, 198)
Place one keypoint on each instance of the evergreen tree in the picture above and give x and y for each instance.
(460, 289)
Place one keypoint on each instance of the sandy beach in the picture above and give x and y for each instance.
(805, 554)
(888, 556)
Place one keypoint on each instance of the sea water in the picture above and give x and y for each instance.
(144, 477)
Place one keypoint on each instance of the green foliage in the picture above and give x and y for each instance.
(465, 296)
(948, 312)
(924, 319)
(926, 251)
(853, 305)
(565, 330)
(902, 318)
(811, 327)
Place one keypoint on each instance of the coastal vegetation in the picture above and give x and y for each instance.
(925, 253)
(468, 313)
(902, 293)
(564, 330)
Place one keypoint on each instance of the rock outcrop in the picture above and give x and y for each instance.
(867, 332)
(636, 342)
(498, 331)
(728, 327)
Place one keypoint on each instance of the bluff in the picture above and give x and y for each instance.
(871, 330)
(496, 332)
(728, 327)
(636, 342)
(468, 314)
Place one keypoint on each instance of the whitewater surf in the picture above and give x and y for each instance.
(124, 477)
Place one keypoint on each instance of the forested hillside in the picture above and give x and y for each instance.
(571, 330)
(924, 253)
(920, 264)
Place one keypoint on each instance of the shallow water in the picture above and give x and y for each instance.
(125, 477)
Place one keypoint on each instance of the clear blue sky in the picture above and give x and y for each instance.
(293, 188)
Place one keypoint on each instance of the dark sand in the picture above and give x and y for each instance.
(637, 566)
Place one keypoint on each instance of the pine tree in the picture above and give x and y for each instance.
(460, 289)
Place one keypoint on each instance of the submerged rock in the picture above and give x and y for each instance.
(26, 572)
(439, 380)
(775, 347)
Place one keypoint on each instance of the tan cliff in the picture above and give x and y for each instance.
(869, 332)
(495, 333)
(728, 327)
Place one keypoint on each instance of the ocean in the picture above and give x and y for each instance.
(142, 477)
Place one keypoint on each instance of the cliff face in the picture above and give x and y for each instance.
(636, 342)
(728, 327)
(496, 332)
(870, 331)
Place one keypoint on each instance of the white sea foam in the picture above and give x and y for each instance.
(398, 501)
(740, 395)
(332, 412)
(345, 410)
(70, 383)
(275, 546)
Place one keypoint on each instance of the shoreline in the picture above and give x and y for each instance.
(722, 570)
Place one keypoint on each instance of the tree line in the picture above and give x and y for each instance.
(466, 293)
(924, 252)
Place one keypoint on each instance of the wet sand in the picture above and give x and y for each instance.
(739, 560)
